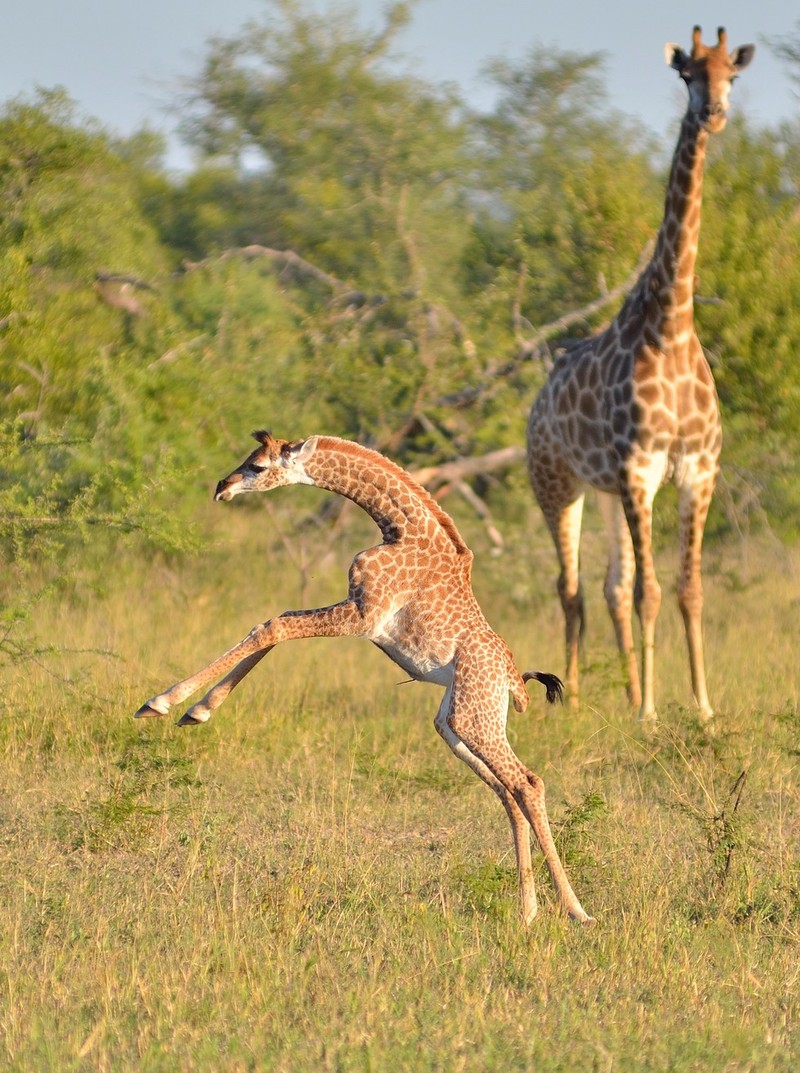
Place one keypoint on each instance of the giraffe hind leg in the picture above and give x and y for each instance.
(473, 716)
(520, 831)
(618, 589)
(564, 523)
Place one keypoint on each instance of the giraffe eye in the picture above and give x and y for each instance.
(257, 466)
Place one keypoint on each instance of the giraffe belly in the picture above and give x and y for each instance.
(421, 652)
(421, 669)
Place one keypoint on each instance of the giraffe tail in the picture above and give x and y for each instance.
(553, 685)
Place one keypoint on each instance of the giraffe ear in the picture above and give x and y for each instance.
(300, 451)
(742, 56)
(675, 57)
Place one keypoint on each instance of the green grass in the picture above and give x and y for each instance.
(312, 882)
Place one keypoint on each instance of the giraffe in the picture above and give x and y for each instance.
(634, 406)
(411, 595)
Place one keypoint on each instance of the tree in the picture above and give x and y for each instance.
(69, 215)
(573, 196)
(76, 315)
(749, 277)
(361, 172)
(788, 49)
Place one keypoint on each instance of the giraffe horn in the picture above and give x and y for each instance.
(722, 37)
(697, 40)
(554, 687)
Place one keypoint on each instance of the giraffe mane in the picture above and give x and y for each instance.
(358, 449)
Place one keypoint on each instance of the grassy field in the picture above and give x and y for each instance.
(312, 882)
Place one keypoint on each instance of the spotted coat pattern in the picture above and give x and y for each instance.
(411, 595)
(635, 406)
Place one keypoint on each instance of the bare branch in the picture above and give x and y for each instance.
(461, 468)
(483, 512)
(176, 351)
(530, 345)
(61, 521)
(288, 257)
(117, 277)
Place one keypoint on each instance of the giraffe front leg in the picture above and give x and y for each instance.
(343, 619)
(693, 503)
(240, 655)
(638, 504)
(202, 711)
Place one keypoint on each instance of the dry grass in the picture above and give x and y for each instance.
(311, 881)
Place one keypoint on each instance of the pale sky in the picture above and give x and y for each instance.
(123, 63)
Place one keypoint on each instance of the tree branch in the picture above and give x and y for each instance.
(531, 346)
(474, 466)
(452, 476)
(289, 258)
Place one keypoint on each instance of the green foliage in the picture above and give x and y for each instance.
(362, 172)
(352, 158)
(571, 196)
(750, 266)
(76, 453)
(356, 252)
(56, 175)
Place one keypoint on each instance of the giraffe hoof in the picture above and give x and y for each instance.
(197, 714)
(580, 916)
(148, 711)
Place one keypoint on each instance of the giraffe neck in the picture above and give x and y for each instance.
(395, 502)
(670, 275)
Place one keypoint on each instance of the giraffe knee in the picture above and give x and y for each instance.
(263, 634)
(535, 782)
(529, 784)
(617, 596)
(571, 601)
(463, 728)
(690, 597)
(647, 597)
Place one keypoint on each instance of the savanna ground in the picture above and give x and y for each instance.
(312, 882)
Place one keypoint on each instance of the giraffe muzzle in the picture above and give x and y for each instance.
(225, 488)
(714, 118)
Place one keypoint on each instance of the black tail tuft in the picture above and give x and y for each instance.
(551, 682)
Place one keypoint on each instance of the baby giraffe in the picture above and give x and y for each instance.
(411, 595)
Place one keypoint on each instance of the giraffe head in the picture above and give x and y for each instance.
(272, 464)
(709, 72)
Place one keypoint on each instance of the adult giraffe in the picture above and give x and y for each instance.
(635, 406)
